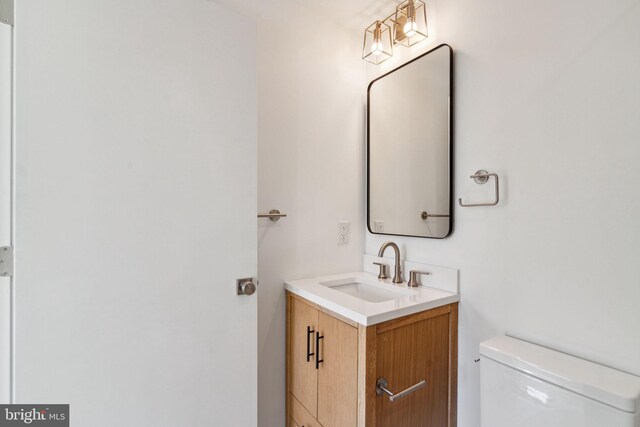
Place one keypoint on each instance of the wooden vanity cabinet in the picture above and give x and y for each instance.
(325, 386)
(333, 365)
(303, 375)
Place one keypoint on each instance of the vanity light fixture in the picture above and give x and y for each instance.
(411, 19)
(407, 26)
(377, 43)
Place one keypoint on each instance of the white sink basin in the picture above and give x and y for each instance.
(367, 291)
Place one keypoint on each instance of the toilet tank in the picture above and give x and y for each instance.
(526, 385)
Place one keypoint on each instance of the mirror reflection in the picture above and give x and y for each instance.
(409, 148)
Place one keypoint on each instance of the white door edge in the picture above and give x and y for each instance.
(6, 207)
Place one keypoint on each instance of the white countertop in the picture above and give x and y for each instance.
(406, 301)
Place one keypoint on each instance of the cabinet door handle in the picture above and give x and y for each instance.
(318, 360)
(309, 352)
(381, 387)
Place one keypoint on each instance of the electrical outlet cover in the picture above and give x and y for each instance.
(343, 232)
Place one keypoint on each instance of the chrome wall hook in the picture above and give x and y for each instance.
(481, 177)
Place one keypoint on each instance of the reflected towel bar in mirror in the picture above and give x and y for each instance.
(481, 177)
(274, 215)
(424, 215)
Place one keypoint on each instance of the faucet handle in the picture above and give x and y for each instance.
(383, 270)
(413, 277)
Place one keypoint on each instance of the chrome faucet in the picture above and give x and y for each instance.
(397, 275)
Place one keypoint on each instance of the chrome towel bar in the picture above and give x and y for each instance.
(381, 387)
(274, 215)
(481, 177)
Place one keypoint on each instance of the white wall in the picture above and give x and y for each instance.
(311, 154)
(548, 96)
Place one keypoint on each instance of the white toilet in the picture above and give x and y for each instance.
(526, 385)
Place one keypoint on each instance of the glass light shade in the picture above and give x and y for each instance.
(409, 23)
(377, 43)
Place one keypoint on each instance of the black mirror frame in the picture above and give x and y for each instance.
(451, 151)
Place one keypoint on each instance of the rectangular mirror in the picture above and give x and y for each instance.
(409, 148)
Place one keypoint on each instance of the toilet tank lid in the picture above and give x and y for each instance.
(598, 382)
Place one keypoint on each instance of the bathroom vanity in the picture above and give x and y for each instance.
(367, 352)
(377, 351)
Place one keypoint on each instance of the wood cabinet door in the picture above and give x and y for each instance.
(301, 416)
(303, 324)
(405, 355)
(338, 373)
